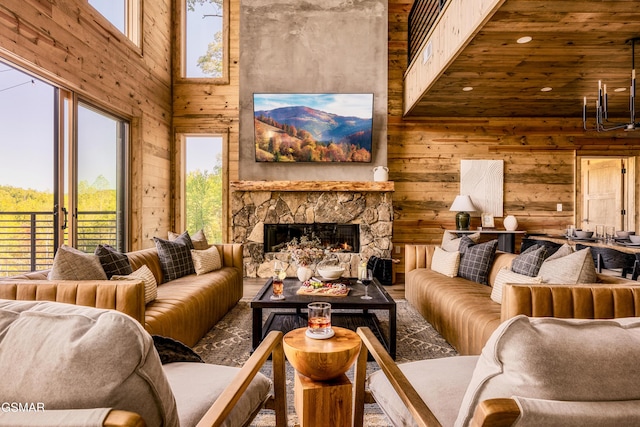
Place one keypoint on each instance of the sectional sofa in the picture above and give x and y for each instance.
(465, 314)
(184, 309)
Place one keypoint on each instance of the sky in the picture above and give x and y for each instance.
(350, 105)
(27, 116)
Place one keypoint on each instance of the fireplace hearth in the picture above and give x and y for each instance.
(333, 237)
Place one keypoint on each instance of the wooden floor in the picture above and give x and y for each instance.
(253, 285)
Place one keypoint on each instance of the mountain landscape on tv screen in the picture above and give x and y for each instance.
(304, 134)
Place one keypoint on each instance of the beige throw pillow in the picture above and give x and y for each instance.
(507, 276)
(206, 260)
(577, 267)
(451, 242)
(444, 262)
(150, 284)
(73, 264)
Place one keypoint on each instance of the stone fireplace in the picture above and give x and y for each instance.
(293, 207)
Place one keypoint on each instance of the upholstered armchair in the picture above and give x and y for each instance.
(65, 364)
(532, 372)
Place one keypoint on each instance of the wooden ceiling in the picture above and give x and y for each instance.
(575, 44)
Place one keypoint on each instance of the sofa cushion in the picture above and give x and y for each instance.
(113, 262)
(73, 264)
(507, 276)
(196, 386)
(451, 241)
(81, 357)
(199, 240)
(446, 263)
(557, 359)
(206, 260)
(476, 259)
(150, 284)
(441, 383)
(577, 267)
(175, 257)
(528, 262)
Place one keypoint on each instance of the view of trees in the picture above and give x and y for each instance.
(204, 202)
(211, 61)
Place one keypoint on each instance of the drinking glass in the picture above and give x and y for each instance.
(279, 275)
(599, 232)
(610, 232)
(319, 319)
(366, 281)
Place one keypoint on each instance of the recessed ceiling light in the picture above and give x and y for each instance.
(546, 89)
(620, 89)
(525, 39)
(467, 88)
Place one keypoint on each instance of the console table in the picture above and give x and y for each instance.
(506, 238)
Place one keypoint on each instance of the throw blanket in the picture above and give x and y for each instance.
(171, 351)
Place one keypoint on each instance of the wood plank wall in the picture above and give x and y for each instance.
(70, 44)
(425, 154)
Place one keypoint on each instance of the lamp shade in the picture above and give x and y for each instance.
(462, 203)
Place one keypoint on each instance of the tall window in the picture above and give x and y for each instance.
(204, 186)
(123, 14)
(204, 35)
(56, 185)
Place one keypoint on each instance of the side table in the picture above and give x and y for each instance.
(323, 395)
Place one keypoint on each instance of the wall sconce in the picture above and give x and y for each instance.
(463, 205)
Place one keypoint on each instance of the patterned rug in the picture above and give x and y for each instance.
(229, 343)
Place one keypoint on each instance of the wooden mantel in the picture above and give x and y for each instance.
(360, 186)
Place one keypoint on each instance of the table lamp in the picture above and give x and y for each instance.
(463, 205)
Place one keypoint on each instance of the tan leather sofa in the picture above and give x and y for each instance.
(464, 314)
(185, 309)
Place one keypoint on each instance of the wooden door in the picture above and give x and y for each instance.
(602, 192)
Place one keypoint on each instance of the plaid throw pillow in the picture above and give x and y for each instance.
(113, 262)
(476, 259)
(528, 262)
(175, 258)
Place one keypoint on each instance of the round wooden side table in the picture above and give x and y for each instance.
(323, 395)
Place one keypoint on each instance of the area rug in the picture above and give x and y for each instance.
(229, 343)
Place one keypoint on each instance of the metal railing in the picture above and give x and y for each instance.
(422, 16)
(27, 238)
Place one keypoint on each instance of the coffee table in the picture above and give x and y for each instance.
(348, 312)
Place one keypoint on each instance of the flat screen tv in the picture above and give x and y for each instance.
(313, 127)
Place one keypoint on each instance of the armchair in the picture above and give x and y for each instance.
(532, 371)
(76, 365)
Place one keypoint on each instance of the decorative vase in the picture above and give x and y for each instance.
(510, 223)
(304, 273)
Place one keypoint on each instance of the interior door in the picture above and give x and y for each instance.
(603, 193)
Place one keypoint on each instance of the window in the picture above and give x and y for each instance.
(56, 188)
(123, 14)
(204, 39)
(204, 194)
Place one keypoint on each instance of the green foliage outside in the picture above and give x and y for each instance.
(204, 202)
(211, 62)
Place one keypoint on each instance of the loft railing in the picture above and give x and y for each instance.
(27, 238)
(422, 16)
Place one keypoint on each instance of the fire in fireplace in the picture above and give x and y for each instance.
(334, 237)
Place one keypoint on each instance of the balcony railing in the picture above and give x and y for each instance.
(422, 16)
(27, 238)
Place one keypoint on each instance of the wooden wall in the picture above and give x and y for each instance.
(73, 46)
(424, 159)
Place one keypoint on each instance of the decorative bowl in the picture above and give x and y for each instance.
(623, 234)
(581, 234)
(634, 238)
(331, 272)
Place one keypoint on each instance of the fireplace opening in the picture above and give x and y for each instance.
(333, 237)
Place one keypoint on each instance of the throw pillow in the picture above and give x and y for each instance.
(562, 251)
(557, 359)
(507, 276)
(150, 284)
(444, 262)
(476, 259)
(73, 264)
(577, 267)
(175, 258)
(206, 260)
(529, 261)
(198, 240)
(113, 262)
(451, 241)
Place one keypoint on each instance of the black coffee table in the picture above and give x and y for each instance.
(348, 312)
